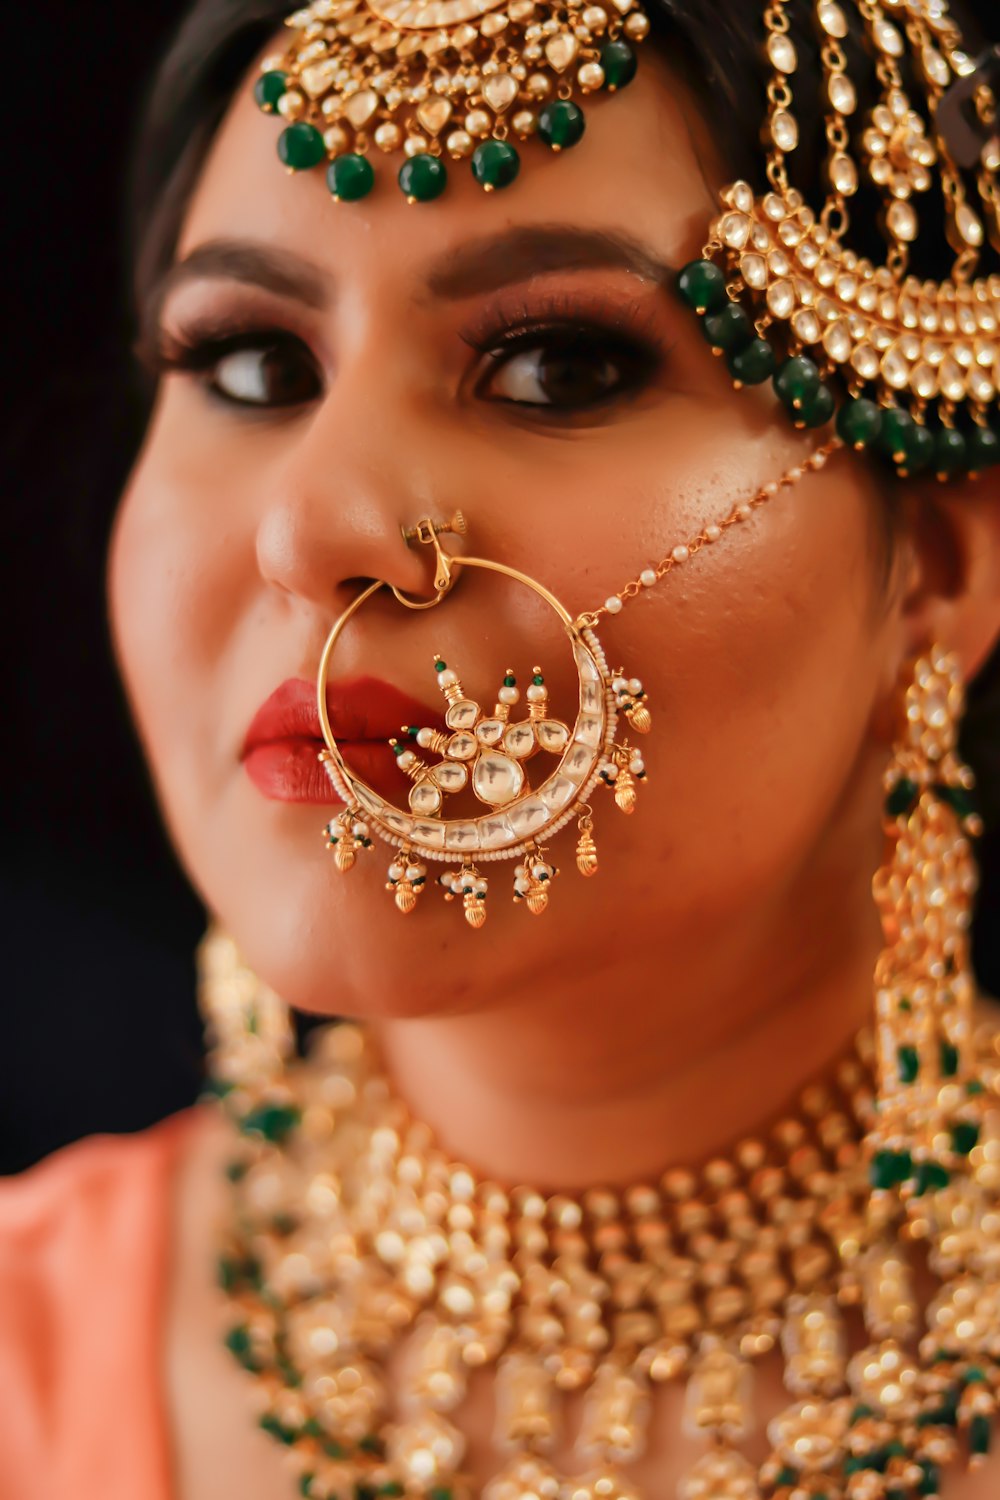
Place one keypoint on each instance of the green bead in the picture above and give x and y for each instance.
(510, 680)
(495, 164)
(268, 89)
(237, 1341)
(902, 797)
(270, 1424)
(980, 1433)
(890, 1168)
(817, 410)
(930, 1484)
(300, 147)
(948, 1054)
(272, 1121)
(974, 1087)
(921, 451)
(752, 365)
(958, 798)
(538, 680)
(975, 1375)
(964, 1136)
(350, 177)
(896, 433)
(423, 177)
(951, 453)
(440, 666)
(797, 381)
(859, 423)
(984, 449)
(729, 329)
(702, 286)
(305, 1485)
(931, 1177)
(561, 124)
(786, 1476)
(908, 1062)
(619, 64)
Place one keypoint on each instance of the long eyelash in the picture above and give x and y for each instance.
(196, 347)
(511, 323)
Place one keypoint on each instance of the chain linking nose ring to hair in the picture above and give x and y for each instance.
(522, 779)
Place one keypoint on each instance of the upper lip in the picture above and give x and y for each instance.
(364, 708)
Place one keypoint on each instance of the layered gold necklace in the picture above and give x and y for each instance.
(353, 1233)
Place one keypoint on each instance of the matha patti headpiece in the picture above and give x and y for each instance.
(441, 78)
(905, 366)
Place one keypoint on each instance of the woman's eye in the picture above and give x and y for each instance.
(278, 372)
(569, 373)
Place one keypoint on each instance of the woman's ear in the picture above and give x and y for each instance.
(949, 585)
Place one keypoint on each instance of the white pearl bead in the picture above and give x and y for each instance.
(613, 605)
(360, 830)
(508, 695)
(612, 773)
(744, 512)
(406, 759)
(619, 685)
(521, 885)
(647, 578)
(637, 764)
(447, 678)
(713, 532)
(479, 887)
(413, 872)
(540, 872)
(535, 693)
(635, 687)
(424, 737)
(395, 872)
(680, 554)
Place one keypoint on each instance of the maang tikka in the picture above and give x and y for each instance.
(491, 751)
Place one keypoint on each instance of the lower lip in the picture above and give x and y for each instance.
(290, 770)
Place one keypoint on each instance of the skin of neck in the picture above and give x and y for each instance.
(619, 1071)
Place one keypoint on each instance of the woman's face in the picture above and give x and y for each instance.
(520, 355)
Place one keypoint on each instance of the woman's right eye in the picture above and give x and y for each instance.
(263, 372)
(263, 369)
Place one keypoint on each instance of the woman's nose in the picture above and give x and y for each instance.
(345, 494)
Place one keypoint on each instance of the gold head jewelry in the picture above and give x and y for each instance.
(906, 366)
(441, 79)
(355, 1239)
(523, 775)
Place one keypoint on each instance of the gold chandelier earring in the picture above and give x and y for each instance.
(924, 989)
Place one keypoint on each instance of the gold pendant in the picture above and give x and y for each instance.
(486, 753)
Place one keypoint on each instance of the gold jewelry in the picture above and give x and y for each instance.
(353, 1232)
(924, 990)
(437, 77)
(912, 364)
(487, 752)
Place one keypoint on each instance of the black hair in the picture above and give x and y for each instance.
(719, 43)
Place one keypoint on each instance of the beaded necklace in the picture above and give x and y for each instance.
(352, 1232)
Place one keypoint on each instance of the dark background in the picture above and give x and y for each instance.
(99, 1028)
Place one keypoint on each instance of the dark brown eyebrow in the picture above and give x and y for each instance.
(267, 266)
(480, 265)
(484, 265)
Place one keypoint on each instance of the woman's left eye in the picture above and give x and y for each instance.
(567, 371)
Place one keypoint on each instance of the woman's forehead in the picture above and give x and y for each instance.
(638, 172)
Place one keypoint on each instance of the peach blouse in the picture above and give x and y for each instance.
(84, 1258)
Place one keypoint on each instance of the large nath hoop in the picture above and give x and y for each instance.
(515, 827)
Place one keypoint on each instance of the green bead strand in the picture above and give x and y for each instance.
(818, 410)
(984, 449)
(896, 433)
(951, 453)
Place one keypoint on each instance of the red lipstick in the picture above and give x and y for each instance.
(282, 745)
